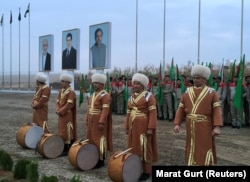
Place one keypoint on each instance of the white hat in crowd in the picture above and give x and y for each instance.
(100, 78)
(41, 77)
(66, 77)
(202, 71)
(143, 79)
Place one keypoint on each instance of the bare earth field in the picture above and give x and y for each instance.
(233, 145)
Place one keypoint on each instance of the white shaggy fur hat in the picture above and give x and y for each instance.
(41, 77)
(100, 78)
(200, 70)
(66, 77)
(143, 79)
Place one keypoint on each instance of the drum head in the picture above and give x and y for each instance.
(53, 146)
(87, 157)
(33, 136)
(132, 169)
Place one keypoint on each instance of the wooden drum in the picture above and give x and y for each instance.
(50, 146)
(124, 166)
(29, 135)
(83, 155)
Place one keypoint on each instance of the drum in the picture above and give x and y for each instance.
(83, 155)
(124, 167)
(29, 135)
(50, 146)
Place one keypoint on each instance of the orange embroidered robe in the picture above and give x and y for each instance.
(40, 106)
(202, 110)
(141, 116)
(99, 112)
(66, 106)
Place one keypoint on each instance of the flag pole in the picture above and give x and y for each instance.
(29, 44)
(136, 36)
(25, 14)
(164, 19)
(241, 40)
(10, 50)
(19, 19)
(2, 24)
(198, 60)
(222, 74)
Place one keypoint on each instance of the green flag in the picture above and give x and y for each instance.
(91, 89)
(171, 71)
(237, 102)
(231, 72)
(159, 92)
(210, 79)
(107, 85)
(126, 95)
(161, 75)
(82, 90)
(183, 87)
(221, 72)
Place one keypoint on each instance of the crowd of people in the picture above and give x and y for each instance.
(143, 100)
(168, 93)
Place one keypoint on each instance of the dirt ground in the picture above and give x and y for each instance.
(233, 145)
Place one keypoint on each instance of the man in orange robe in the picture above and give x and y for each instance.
(40, 102)
(140, 124)
(201, 107)
(66, 111)
(98, 119)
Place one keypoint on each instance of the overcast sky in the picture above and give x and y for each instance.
(220, 31)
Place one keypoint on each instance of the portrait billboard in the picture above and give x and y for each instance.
(100, 46)
(46, 53)
(70, 49)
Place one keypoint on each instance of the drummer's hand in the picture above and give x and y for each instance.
(149, 132)
(32, 105)
(176, 128)
(216, 131)
(101, 125)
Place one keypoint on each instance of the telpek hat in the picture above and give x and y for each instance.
(41, 77)
(66, 77)
(143, 79)
(200, 70)
(99, 78)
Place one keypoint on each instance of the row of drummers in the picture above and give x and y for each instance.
(82, 154)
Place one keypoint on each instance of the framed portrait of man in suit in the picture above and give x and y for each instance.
(70, 49)
(100, 46)
(46, 53)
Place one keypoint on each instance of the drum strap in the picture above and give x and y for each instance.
(103, 148)
(143, 143)
(134, 111)
(45, 126)
(209, 158)
(92, 110)
(69, 129)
